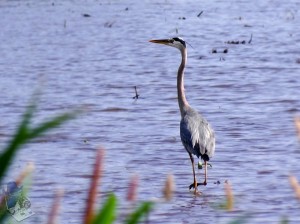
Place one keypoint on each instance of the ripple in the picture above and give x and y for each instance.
(114, 109)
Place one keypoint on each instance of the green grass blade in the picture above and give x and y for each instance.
(24, 134)
(9, 152)
(51, 124)
(108, 212)
(18, 139)
(141, 211)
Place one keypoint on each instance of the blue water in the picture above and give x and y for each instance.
(249, 95)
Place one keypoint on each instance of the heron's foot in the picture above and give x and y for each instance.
(200, 165)
(198, 184)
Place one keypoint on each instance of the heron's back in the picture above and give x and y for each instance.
(196, 134)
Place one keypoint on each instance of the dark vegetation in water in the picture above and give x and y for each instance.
(224, 50)
(240, 41)
(86, 15)
(215, 51)
(109, 24)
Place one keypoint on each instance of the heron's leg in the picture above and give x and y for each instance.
(205, 172)
(195, 181)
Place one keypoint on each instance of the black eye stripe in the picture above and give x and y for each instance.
(180, 40)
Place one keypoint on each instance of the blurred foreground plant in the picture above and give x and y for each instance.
(23, 134)
(229, 202)
(297, 125)
(229, 197)
(107, 214)
(295, 185)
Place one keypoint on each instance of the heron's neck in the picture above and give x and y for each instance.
(183, 104)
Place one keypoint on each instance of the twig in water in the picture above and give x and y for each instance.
(249, 42)
(136, 94)
(200, 13)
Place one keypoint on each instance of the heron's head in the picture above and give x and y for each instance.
(173, 42)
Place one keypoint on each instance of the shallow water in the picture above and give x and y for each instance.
(249, 95)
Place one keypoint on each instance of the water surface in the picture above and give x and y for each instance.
(249, 95)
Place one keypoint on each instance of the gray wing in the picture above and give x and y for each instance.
(196, 134)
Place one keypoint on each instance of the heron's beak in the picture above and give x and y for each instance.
(162, 41)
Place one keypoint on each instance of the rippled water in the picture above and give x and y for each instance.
(249, 95)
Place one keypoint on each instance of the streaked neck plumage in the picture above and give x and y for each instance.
(183, 104)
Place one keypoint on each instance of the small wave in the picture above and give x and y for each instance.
(114, 109)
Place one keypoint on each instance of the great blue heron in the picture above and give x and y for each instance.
(196, 134)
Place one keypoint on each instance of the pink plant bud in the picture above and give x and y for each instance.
(297, 125)
(89, 212)
(132, 189)
(52, 219)
(27, 171)
(295, 185)
(169, 187)
(229, 196)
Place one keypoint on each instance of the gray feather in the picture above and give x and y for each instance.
(196, 134)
